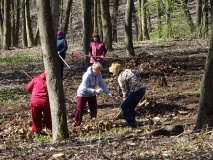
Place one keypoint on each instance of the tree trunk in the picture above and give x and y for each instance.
(16, 36)
(6, 25)
(187, 15)
(36, 36)
(67, 17)
(144, 20)
(168, 18)
(205, 114)
(95, 26)
(30, 38)
(100, 31)
(114, 20)
(159, 19)
(1, 22)
(106, 24)
(128, 28)
(135, 20)
(140, 36)
(86, 17)
(24, 34)
(205, 19)
(12, 23)
(51, 63)
(55, 8)
(198, 12)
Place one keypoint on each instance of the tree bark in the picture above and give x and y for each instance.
(187, 15)
(51, 63)
(30, 38)
(6, 25)
(95, 26)
(106, 24)
(55, 8)
(67, 17)
(24, 34)
(128, 28)
(86, 18)
(114, 20)
(205, 114)
(17, 24)
(159, 19)
(145, 32)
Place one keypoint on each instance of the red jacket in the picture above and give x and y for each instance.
(97, 49)
(38, 88)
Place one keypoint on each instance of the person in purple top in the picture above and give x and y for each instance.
(97, 50)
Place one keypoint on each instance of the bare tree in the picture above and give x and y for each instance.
(205, 114)
(67, 17)
(128, 28)
(114, 20)
(51, 63)
(6, 26)
(144, 20)
(30, 38)
(86, 17)
(24, 32)
(106, 24)
(17, 23)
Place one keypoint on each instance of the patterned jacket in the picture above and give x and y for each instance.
(129, 81)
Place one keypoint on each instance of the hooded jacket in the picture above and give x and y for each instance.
(89, 83)
(97, 49)
(38, 89)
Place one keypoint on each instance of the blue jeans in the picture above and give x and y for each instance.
(130, 103)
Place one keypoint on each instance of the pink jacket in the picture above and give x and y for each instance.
(38, 89)
(97, 49)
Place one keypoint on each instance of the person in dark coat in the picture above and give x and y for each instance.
(61, 48)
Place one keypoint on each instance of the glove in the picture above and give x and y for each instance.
(98, 91)
(110, 95)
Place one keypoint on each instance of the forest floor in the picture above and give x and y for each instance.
(173, 101)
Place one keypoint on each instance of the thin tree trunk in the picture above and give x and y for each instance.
(1, 22)
(128, 28)
(114, 20)
(51, 63)
(30, 38)
(86, 17)
(24, 34)
(140, 33)
(144, 20)
(168, 18)
(6, 25)
(205, 114)
(100, 31)
(106, 24)
(95, 26)
(67, 17)
(12, 23)
(159, 19)
(17, 25)
(205, 19)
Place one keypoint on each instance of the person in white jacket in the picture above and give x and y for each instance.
(87, 92)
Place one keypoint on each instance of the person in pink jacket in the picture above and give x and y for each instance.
(97, 50)
(39, 103)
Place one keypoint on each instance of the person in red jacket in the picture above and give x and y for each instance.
(97, 50)
(39, 103)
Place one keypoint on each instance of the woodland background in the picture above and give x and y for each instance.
(168, 41)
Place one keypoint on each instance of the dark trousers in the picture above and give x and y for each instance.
(130, 103)
(61, 67)
(81, 104)
(36, 112)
